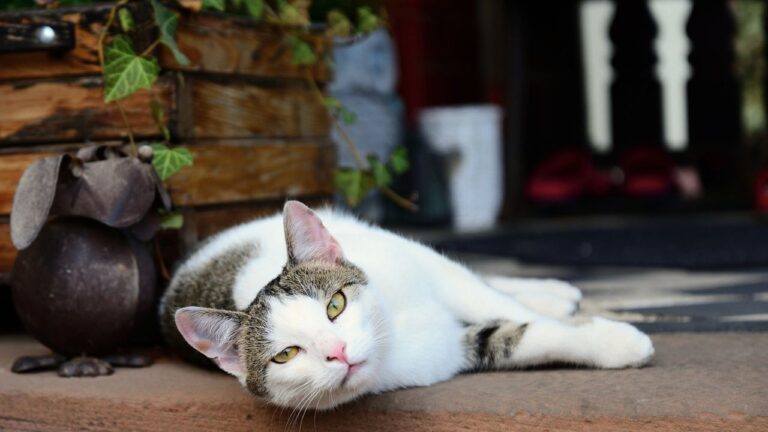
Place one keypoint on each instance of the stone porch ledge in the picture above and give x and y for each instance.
(715, 381)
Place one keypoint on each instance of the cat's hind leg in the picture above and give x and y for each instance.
(597, 343)
(549, 297)
(516, 286)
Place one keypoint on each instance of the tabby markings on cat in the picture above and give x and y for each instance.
(313, 310)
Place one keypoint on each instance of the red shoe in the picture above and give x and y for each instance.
(565, 177)
(648, 172)
(761, 191)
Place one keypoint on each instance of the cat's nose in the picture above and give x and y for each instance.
(338, 352)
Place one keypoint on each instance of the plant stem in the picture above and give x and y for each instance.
(359, 161)
(100, 48)
(397, 199)
(134, 149)
(150, 48)
(105, 30)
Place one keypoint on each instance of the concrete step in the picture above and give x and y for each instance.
(703, 382)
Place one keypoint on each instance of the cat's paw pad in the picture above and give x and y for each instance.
(618, 345)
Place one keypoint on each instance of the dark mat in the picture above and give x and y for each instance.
(703, 326)
(708, 311)
(679, 244)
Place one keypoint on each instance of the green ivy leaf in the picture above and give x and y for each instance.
(166, 22)
(398, 160)
(353, 184)
(171, 220)
(125, 72)
(168, 162)
(381, 175)
(332, 103)
(292, 15)
(158, 115)
(338, 109)
(338, 24)
(347, 116)
(302, 53)
(218, 5)
(367, 21)
(126, 19)
(255, 8)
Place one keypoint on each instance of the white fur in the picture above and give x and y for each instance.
(408, 322)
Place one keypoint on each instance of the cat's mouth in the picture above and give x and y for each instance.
(352, 369)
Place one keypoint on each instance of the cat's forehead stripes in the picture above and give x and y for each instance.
(317, 279)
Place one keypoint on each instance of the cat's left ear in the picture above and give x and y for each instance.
(306, 237)
(214, 333)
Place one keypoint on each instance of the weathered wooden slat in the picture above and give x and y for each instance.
(234, 45)
(83, 59)
(236, 172)
(214, 43)
(199, 223)
(7, 251)
(242, 110)
(233, 182)
(53, 37)
(74, 109)
(227, 172)
(206, 221)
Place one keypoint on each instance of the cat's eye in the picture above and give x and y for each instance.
(336, 305)
(286, 354)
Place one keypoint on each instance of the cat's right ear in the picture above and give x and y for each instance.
(214, 333)
(306, 237)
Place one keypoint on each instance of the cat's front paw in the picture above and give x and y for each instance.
(617, 345)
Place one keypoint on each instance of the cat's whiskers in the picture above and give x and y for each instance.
(290, 392)
(302, 407)
(307, 405)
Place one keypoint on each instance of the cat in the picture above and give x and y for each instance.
(314, 310)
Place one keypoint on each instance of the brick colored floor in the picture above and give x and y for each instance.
(697, 381)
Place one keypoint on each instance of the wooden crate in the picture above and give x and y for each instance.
(257, 131)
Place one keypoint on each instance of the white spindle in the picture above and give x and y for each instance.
(672, 68)
(595, 19)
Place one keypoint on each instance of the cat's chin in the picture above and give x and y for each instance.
(339, 397)
(349, 387)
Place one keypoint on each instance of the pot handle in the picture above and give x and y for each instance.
(54, 36)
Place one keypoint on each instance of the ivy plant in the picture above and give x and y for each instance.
(127, 71)
(292, 16)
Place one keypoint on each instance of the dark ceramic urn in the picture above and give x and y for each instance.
(84, 280)
(83, 288)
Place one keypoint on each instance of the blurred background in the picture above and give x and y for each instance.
(584, 136)
(649, 112)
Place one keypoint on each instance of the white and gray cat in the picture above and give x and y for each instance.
(315, 310)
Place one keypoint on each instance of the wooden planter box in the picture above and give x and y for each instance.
(242, 108)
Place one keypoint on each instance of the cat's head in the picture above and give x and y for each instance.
(312, 338)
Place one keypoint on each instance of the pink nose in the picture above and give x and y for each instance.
(337, 353)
